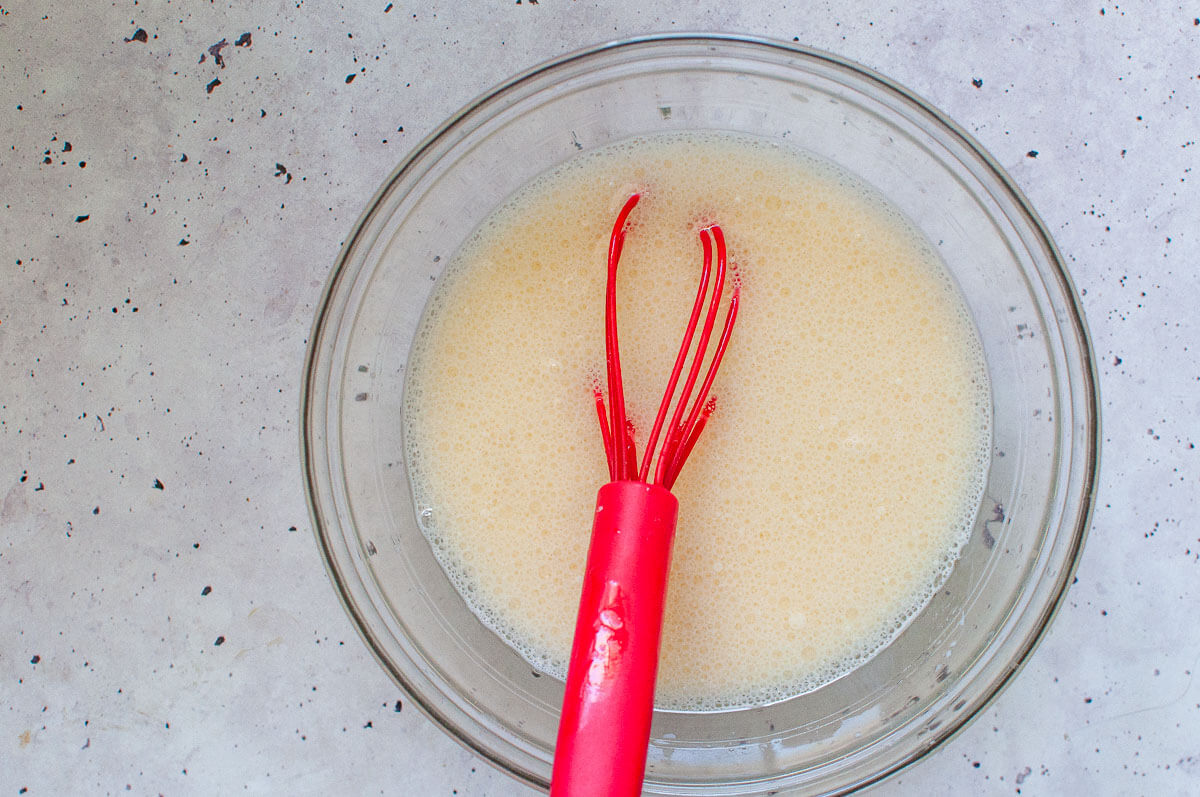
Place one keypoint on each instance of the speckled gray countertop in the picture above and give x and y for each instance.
(177, 179)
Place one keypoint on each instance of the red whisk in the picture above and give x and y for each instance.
(609, 700)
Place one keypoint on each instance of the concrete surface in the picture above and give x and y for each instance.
(171, 208)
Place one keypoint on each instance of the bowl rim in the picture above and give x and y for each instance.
(1087, 471)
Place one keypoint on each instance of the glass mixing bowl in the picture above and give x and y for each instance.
(954, 656)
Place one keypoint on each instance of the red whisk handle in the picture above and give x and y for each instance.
(609, 700)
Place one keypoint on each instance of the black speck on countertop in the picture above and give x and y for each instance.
(215, 52)
(83, 218)
(207, 589)
(977, 82)
(219, 641)
(243, 40)
(158, 485)
(212, 85)
(350, 78)
(1033, 153)
(139, 35)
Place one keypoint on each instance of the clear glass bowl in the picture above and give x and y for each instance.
(955, 655)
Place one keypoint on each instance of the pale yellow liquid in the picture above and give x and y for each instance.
(831, 491)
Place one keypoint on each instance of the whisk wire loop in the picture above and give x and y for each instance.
(691, 412)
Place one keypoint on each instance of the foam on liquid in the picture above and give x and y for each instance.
(829, 494)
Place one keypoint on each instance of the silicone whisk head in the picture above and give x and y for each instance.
(694, 405)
